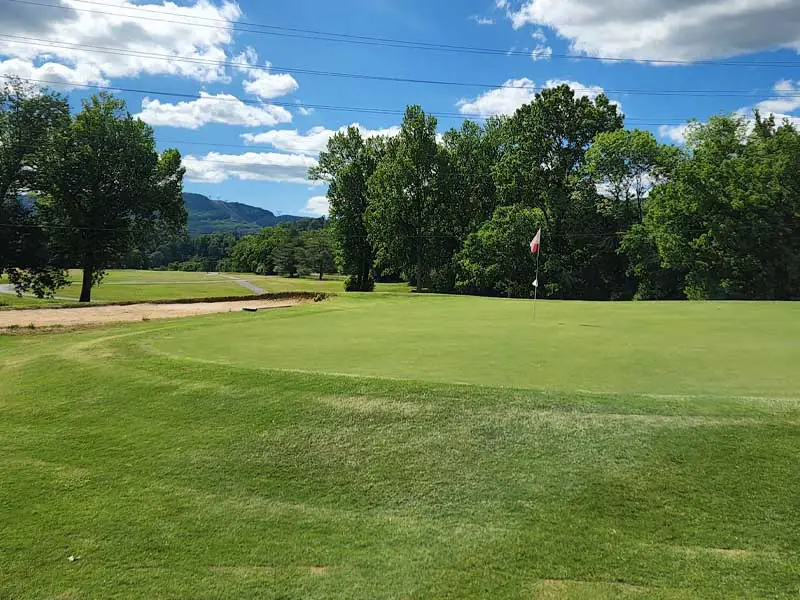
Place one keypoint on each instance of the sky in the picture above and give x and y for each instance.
(251, 91)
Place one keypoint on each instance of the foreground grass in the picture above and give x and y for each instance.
(176, 472)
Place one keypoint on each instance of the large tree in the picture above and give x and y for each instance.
(346, 165)
(544, 148)
(729, 218)
(106, 189)
(407, 199)
(29, 118)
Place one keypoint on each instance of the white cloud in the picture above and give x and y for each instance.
(180, 37)
(501, 101)
(317, 206)
(657, 29)
(267, 86)
(541, 52)
(210, 108)
(250, 166)
(787, 98)
(61, 76)
(314, 141)
(260, 81)
(539, 36)
(304, 110)
(675, 133)
(515, 93)
(482, 20)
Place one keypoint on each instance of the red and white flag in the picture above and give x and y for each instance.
(536, 242)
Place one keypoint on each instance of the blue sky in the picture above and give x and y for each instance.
(258, 151)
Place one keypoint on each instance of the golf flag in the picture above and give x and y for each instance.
(535, 243)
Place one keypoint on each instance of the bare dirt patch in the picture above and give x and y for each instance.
(135, 312)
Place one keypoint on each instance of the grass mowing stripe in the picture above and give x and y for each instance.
(171, 477)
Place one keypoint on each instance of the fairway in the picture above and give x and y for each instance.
(398, 446)
(148, 286)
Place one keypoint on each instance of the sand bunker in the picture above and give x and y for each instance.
(47, 317)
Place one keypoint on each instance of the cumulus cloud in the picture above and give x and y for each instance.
(675, 133)
(314, 141)
(260, 81)
(501, 101)
(787, 98)
(60, 76)
(317, 206)
(515, 93)
(655, 29)
(57, 32)
(215, 167)
(210, 108)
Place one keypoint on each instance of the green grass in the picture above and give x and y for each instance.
(331, 283)
(325, 452)
(131, 285)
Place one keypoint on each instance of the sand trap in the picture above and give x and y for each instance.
(47, 317)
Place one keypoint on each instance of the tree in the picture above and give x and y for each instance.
(728, 217)
(346, 166)
(288, 252)
(496, 259)
(407, 199)
(106, 189)
(318, 255)
(29, 118)
(543, 149)
(624, 166)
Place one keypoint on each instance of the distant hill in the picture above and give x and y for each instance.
(215, 216)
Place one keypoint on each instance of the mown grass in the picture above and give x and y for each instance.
(174, 470)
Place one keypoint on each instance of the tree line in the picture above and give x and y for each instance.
(623, 215)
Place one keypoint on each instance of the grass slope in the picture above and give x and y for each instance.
(175, 471)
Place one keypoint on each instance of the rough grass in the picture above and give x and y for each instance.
(173, 470)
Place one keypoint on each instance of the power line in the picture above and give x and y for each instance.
(263, 29)
(44, 43)
(366, 110)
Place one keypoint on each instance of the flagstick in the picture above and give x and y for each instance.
(536, 287)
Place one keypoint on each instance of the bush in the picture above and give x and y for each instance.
(352, 284)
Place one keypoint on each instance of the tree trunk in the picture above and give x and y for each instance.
(320, 274)
(86, 287)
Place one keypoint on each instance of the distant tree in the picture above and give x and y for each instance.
(29, 118)
(318, 252)
(288, 252)
(347, 165)
(407, 198)
(106, 189)
(496, 259)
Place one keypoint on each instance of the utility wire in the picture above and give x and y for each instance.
(244, 66)
(263, 29)
(259, 103)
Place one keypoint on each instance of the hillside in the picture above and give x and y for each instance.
(214, 216)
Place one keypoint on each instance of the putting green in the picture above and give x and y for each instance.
(654, 348)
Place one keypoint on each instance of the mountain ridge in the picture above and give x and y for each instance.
(217, 216)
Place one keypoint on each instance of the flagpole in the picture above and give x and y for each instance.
(536, 287)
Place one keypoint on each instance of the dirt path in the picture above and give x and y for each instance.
(48, 317)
